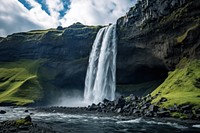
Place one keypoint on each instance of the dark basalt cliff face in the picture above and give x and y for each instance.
(63, 55)
(152, 38)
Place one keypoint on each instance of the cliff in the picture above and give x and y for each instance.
(154, 36)
(41, 65)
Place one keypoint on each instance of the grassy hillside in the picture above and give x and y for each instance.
(18, 82)
(182, 85)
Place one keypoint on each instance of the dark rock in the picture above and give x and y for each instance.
(119, 103)
(13, 129)
(59, 28)
(153, 108)
(2, 112)
(126, 107)
(163, 99)
(163, 114)
(186, 107)
(28, 118)
(23, 127)
(133, 98)
(93, 107)
(119, 110)
(26, 111)
(105, 101)
(135, 111)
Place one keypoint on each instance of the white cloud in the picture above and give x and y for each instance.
(55, 6)
(93, 12)
(14, 17)
(44, 19)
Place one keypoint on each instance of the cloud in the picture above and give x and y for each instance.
(15, 17)
(94, 12)
(55, 6)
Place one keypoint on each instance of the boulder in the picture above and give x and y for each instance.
(120, 103)
(186, 107)
(163, 114)
(2, 112)
(28, 118)
(153, 108)
(163, 99)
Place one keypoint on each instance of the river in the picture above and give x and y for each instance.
(98, 123)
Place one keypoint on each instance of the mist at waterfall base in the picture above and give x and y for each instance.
(100, 80)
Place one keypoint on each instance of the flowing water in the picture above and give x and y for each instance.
(100, 78)
(90, 123)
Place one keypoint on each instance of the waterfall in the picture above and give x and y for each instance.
(100, 82)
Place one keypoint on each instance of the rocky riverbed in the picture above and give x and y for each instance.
(135, 106)
(23, 125)
(87, 119)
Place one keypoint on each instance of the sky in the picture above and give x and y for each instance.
(26, 15)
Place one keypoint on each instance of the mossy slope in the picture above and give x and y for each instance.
(19, 83)
(182, 85)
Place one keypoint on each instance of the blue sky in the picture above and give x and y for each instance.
(25, 15)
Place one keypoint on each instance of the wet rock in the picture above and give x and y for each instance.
(186, 107)
(163, 99)
(28, 118)
(127, 107)
(26, 111)
(93, 107)
(105, 100)
(13, 129)
(119, 103)
(119, 110)
(153, 108)
(135, 111)
(163, 114)
(133, 98)
(2, 112)
(23, 127)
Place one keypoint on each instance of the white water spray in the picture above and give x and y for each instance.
(100, 82)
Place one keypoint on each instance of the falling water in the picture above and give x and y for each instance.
(100, 79)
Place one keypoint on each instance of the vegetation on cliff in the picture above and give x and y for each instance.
(182, 86)
(19, 82)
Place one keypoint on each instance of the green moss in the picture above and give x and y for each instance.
(19, 82)
(179, 87)
(181, 38)
(179, 115)
(20, 122)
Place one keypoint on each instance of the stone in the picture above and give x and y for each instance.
(132, 97)
(153, 108)
(186, 107)
(105, 100)
(93, 107)
(28, 118)
(13, 129)
(163, 99)
(120, 103)
(2, 112)
(26, 111)
(163, 114)
(135, 111)
(119, 110)
(23, 127)
(59, 28)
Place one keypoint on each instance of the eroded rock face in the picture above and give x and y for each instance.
(153, 36)
(63, 52)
